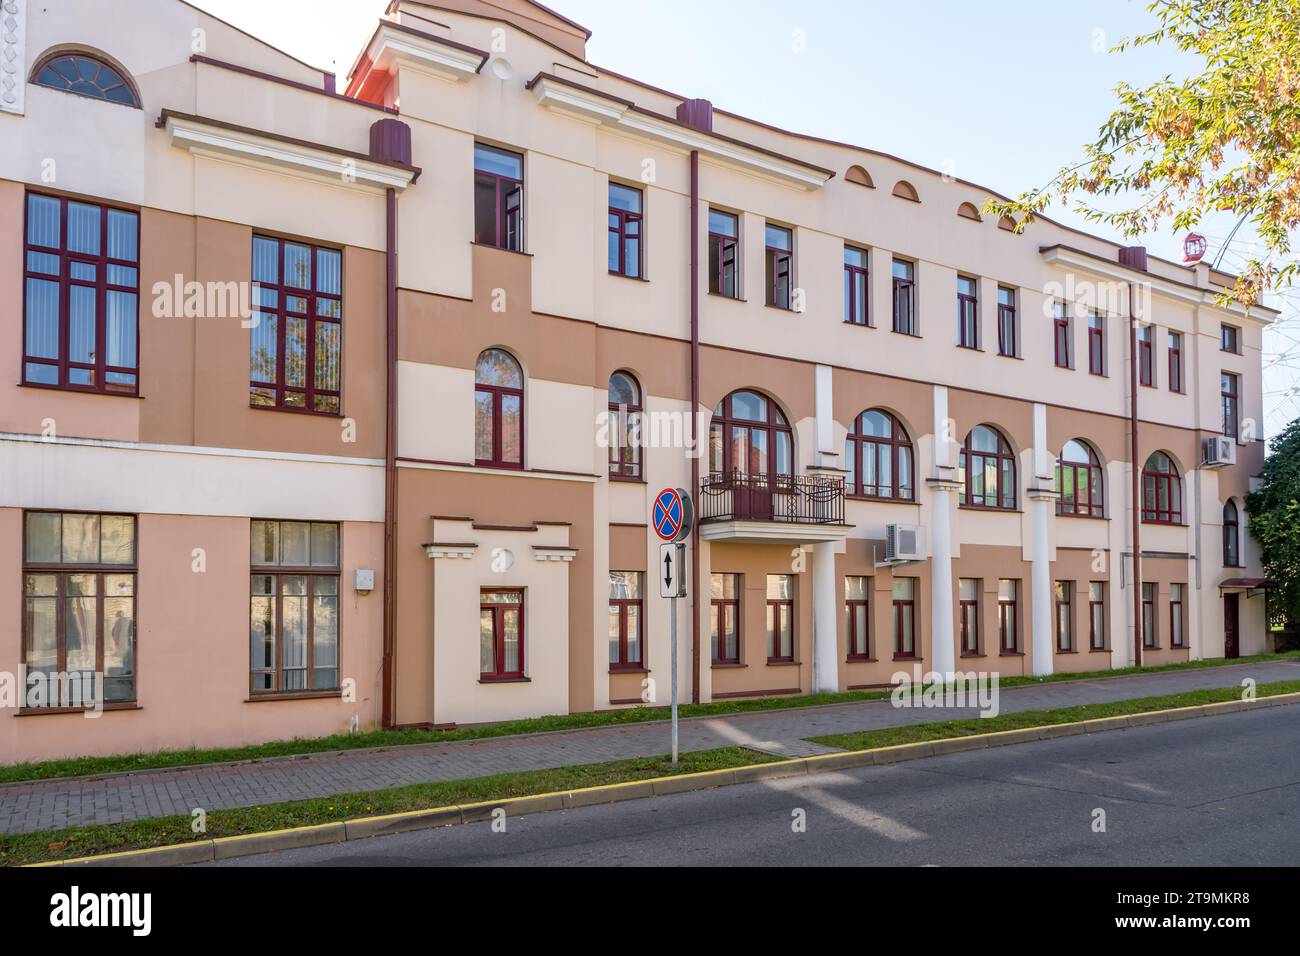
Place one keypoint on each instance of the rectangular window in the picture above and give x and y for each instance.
(1146, 336)
(857, 617)
(1175, 361)
(780, 618)
(498, 198)
(1230, 339)
(724, 254)
(1148, 614)
(1064, 596)
(904, 297)
(724, 601)
(1062, 336)
(968, 590)
(79, 611)
(905, 617)
(626, 638)
(857, 310)
(1008, 615)
(1229, 389)
(500, 634)
(780, 266)
(1096, 345)
(297, 338)
(1097, 615)
(625, 233)
(81, 296)
(968, 315)
(1175, 615)
(294, 613)
(1008, 324)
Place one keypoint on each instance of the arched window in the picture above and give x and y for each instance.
(1079, 481)
(85, 75)
(624, 426)
(1162, 491)
(1231, 536)
(498, 410)
(878, 458)
(988, 470)
(750, 437)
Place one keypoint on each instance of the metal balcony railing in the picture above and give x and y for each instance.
(802, 499)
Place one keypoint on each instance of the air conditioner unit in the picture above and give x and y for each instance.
(1218, 451)
(904, 542)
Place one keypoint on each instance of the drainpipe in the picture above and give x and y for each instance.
(695, 422)
(1136, 468)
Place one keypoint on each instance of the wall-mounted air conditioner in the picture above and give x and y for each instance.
(1218, 451)
(904, 542)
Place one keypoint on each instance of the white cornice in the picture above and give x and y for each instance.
(451, 551)
(1072, 259)
(602, 110)
(266, 152)
(394, 49)
(542, 553)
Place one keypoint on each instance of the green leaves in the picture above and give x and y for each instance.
(1274, 521)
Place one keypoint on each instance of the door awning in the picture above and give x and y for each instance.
(1246, 584)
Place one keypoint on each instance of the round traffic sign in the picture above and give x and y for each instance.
(668, 514)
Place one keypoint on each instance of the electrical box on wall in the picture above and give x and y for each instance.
(365, 580)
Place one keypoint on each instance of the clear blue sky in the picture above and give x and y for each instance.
(1001, 94)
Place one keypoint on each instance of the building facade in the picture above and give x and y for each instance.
(343, 404)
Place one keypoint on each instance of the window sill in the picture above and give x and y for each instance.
(295, 411)
(505, 680)
(1018, 358)
(624, 275)
(627, 479)
(780, 308)
(1071, 514)
(906, 657)
(80, 391)
(882, 499)
(858, 325)
(513, 252)
(1000, 511)
(1059, 651)
(729, 298)
(498, 466)
(1099, 650)
(910, 335)
(49, 711)
(295, 695)
(726, 665)
(1011, 653)
(972, 654)
(970, 348)
(781, 662)
(860, 660)
(615, 669)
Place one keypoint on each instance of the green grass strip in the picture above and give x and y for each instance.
(945, 729)
(162, 760)
(18, 849)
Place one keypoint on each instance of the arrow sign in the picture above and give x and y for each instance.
(672, 560)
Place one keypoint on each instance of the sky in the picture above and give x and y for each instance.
(1001, 93)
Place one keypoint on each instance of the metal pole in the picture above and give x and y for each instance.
(672, 630)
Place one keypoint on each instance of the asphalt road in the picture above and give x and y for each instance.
(1213, 791)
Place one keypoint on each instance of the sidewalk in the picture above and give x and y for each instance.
(47, 805)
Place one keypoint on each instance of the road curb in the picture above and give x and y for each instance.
(225, 848)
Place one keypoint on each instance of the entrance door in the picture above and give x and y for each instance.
(1231, 646)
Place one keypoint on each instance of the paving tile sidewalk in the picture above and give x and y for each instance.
(28, 807)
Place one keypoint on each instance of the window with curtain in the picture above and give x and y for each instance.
(968, 612)
(724, 610)
(780, 618)
(988, 470)
(904, 599)
(626, 638)
(878, 457)
(81, 296)
(1063, 599)
(498, 410)
(1008, 615)
(857, 617)
(294, 611)
(78, 618)
(501, 634)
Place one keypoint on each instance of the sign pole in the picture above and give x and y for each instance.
(672, 630)
(672, 517)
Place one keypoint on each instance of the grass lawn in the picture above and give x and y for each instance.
(919, 733)
(84, 766)
(17, 849)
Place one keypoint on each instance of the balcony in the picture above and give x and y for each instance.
(772, 508)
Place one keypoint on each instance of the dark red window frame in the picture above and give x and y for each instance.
(1229, 405)
(1085, 476)
(905, 625)
(718, 619)
(904, 297)
(780, 266)
(1231, 536)
(725, 423)
(508, 202)
(1097, 612)
(1148, 614)
(1177, 634)
(779, 610)
(1162, 491)
(1146, 356)
(968, 315)
(1061, 338)
(891, 451)
(1008, 330)
(1063, 600)
(724, 258)
(1097, 345)
(624, 456)
(1176, 362)
(968, 610)
(857, 641)
(1004, 498)
(498, 610)
(498, 394)
(321, 313)
(625, 230)
(98, 370)
(1230, 339)
(857, 286)
(1008, 618)
(620, 606)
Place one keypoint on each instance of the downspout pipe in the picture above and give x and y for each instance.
(1136, 468)
(696, 449)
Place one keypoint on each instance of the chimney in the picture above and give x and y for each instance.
(1135, 257)
(330, 86)
(698, 114)
(390, 141)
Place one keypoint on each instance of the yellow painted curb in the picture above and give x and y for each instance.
(226, 847)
